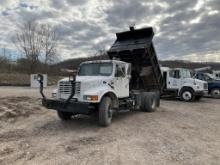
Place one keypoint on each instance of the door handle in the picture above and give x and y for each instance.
(169, 82)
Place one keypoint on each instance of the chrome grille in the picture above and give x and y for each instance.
(65, 87)
(205, 85)
(77, 87)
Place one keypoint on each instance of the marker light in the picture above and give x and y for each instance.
(91, 97)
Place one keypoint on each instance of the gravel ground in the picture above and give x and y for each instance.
(177, 133)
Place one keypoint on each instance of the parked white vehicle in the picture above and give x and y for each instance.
(180, 83)
(104, 86)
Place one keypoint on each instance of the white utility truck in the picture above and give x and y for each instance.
(180, 83)
(130, 79)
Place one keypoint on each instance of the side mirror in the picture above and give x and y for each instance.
(71, 78)
(40, 77)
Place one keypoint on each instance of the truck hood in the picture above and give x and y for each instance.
(87, 85)
(92, 78)
(88, 78)
(64, 79)
(215, 81)
(91, 82)
(192, 80)
(200, 84)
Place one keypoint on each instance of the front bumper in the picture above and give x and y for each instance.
(73, 106)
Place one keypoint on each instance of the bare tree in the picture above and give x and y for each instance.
(49, 44)
(34, 41)
(100, 54)
(29, 42)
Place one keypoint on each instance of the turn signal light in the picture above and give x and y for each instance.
(91, 98)
(94, 98)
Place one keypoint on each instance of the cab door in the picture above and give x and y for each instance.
(121, 81)
(173, 79)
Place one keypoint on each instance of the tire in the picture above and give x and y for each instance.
(187, 95)
(149, 102)
(215, 93)
(64, 115)
(197, 98)
(105, 111)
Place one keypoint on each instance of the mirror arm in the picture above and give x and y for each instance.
(40, 80)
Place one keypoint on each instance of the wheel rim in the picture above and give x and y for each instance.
(216, 93)
(187, 95)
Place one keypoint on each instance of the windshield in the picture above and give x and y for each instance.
(96, 69)
(210, 76)
(186, 73)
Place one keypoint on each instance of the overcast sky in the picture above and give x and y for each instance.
(184, 29)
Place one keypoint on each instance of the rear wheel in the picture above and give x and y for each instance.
(64, 115)
(105, 111)
(187, 95)
(149, 102)
(215, 93)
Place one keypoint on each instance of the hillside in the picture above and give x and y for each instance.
(189, 64)
(74, 63)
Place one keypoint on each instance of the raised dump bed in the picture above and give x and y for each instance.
(136, 47)
(101, 87)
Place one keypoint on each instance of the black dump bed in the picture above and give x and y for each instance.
(136, 47)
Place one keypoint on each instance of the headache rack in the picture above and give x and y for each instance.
(136, 47)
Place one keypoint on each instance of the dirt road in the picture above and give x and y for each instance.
(178, 133)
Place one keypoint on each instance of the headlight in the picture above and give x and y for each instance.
(54, 93)
(90, 97)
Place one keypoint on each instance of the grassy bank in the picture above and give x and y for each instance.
(19, 79)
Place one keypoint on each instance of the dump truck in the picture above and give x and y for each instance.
(130, 79)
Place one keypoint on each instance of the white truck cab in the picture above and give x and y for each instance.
(97, 78)
(180, 83)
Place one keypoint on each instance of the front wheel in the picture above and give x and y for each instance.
(105, 111)
(187, 95)
(215, 93)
